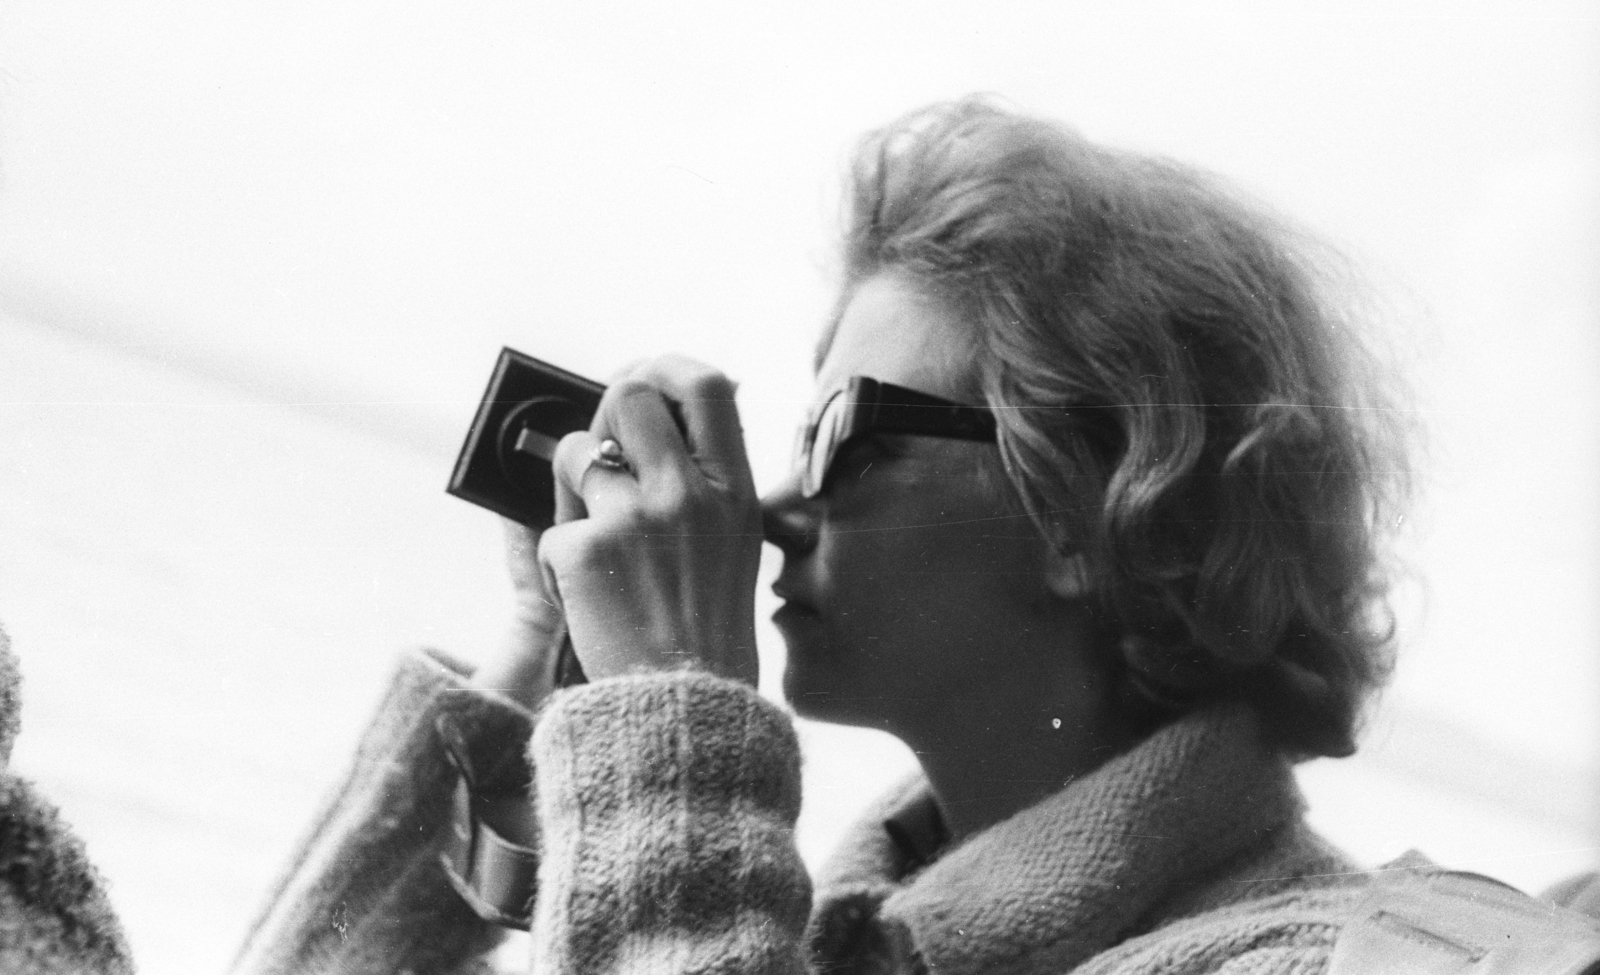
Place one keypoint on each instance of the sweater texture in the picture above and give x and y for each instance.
(666, 808)
(365, 892)
(667, 805)
(54, 914)
(1185, 853)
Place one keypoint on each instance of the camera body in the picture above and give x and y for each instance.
(527, 408)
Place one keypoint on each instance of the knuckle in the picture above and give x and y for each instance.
(581, 546)
(569, 449)
(691, 377)
(685, 503)
(630, 387)
(612, 404)
(555, 545)
(570, 459)
(667, 502)
(701, 379)
(712, 385)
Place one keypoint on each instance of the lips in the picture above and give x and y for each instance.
(785, 593)
(795, 611)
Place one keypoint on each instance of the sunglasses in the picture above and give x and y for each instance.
(863, 406)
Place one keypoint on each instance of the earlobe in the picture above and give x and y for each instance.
(1067, 574)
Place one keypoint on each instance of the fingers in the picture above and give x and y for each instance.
(678, 426)
(582, 485)
(640, 420)
(553, 546)
(704, 398)
(567, 466)
(711, 416)
(521, 543)
(653, 563)
(522, 547)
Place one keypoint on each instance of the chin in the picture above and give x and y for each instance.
(808, 697)
(819, 694)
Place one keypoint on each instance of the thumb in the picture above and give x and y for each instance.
(522, 547)
(551, 547)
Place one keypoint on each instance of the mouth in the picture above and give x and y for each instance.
(793, 613)
(794, 610)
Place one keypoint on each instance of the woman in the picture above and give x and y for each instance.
(54, 914)
(1086, 513)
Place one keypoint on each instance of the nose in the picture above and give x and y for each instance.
(788, 520)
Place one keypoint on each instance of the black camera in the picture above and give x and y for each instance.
(505, 463)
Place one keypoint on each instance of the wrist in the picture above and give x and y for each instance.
(524, 668)
(626, 652)
(490, 852)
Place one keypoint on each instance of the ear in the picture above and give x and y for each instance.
(1067, 574)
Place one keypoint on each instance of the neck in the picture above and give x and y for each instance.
(983, 775)
(1006, 737)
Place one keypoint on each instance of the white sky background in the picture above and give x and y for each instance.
(351, 206)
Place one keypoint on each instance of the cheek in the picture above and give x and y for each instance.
(927, 559)
(943, 583)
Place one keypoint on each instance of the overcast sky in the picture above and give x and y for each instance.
(347, 207)
(350, 206)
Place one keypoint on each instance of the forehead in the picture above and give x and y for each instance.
(892, 330)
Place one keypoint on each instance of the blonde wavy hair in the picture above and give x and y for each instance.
(1179, 399)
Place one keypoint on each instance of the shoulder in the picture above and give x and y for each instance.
(1416, 916)
(1409, 915)
(54, 914)
(1290, 931)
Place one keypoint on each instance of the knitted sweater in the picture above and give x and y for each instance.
(1184, 855)
(54, 915)
(666, 806)
(364, 892)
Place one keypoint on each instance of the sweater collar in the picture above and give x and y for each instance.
(1078, 872)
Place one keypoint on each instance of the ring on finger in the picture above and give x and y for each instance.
(608, 454)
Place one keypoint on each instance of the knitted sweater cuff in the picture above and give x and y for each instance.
(667, 805)
(366, 891)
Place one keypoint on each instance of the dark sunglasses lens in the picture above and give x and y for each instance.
(799, 456)
(830, 429)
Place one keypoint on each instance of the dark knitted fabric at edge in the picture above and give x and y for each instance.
(54, 913)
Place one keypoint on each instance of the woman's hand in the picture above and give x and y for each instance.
(524, 668)
(655, 565)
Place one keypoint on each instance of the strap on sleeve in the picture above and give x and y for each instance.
(495, 876)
